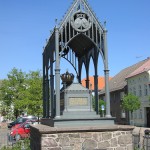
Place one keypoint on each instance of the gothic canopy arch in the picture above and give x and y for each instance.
(79, 24)
(78, 37)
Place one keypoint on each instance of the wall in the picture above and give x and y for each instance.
(133, 87)
(115, 102)
(87, 138)
(141, 140)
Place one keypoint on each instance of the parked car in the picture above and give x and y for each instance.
(22, 130)
(21, 120)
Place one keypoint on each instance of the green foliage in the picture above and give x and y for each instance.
(21, 92)
(130, 102)
(102, 102)
(136, 148)
(5, 111)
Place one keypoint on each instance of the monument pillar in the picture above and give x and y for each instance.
(47, 98)
(52, 95)
(52, 89)
(44, 98)
(96, 93)
(44, 92)
(57, 73)
(87, 83)
(106, 72)
(65, 100)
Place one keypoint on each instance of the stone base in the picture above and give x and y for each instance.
(90, 122)
(78, 119)
(79, 138)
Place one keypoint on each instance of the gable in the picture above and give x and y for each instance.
(144, 68)
(78, 6)
(119, 82)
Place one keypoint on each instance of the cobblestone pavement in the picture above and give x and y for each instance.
(3, 137)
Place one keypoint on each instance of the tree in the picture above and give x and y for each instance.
(22, 92)
(12, 88)
(130, 103)
(34, 93)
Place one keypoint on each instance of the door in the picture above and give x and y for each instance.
(148, 116)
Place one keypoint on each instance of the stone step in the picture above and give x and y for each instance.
(83, 122)
(79, 115)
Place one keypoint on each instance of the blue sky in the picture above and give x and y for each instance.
(25, 25)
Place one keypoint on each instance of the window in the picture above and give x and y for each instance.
(121, 95)
(140, 90)
(114, 96)
(145, 78)
(130, 90)
(139, 79)
(133, 81)
(135, 114)
(134, 91)
(145, 90)
(140, 114)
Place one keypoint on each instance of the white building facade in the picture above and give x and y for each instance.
(139, 84)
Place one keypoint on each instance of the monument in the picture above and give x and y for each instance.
(77, 38)
(68, 110)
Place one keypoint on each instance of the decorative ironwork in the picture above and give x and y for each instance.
(77, 38)
(81, 21)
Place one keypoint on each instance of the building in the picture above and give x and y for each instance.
(139, 85)
(101, 83)
(118, 87)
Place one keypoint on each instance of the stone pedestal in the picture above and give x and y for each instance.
(78, 111)
(79, 138)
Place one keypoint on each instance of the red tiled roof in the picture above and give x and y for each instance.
(141, 69)
(101, 82)
(119, 80)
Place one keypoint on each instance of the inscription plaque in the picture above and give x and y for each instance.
(78, 101)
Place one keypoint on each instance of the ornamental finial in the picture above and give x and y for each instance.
(105, 24)
(51, 31)
(43, 48)
(56, 22)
